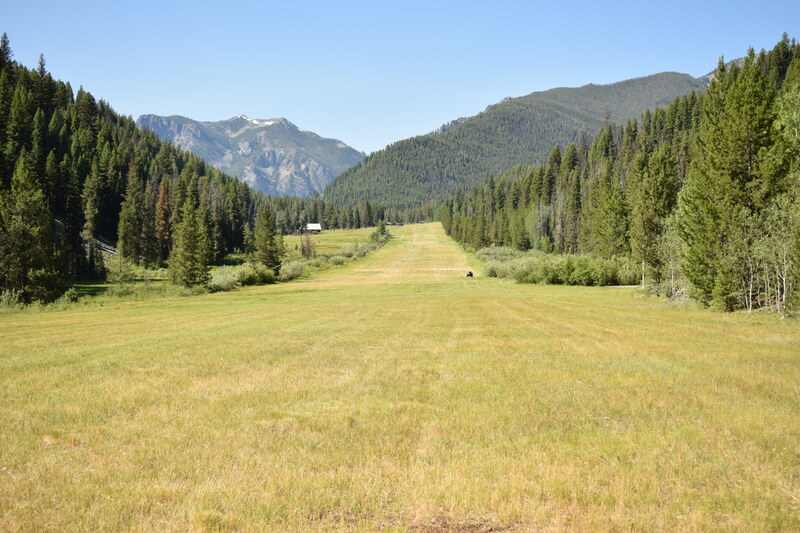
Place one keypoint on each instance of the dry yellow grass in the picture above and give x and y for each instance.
(395, 394)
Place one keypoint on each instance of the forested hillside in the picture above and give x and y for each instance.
(703, 195)
(77, 178)
(514, 131)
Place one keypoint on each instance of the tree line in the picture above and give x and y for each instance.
(516, 130)
(705, 191)
(77, 179)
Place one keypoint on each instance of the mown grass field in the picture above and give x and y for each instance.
(395, 394)
(329, 241)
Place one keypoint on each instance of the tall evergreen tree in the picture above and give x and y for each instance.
(652, 202)
(728, 181)
(129, 234)
(29, 262)
(188, 261)
(267, 242)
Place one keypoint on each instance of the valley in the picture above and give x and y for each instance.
(395, 394)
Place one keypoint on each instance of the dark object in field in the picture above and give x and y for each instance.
(469, 274)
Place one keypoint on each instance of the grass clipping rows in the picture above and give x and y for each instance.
(395, 394)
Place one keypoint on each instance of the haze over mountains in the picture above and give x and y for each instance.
(273, 156)
(514, 131)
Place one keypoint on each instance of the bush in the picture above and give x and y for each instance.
(604, 272)
(317, 261)
(380, 235)
(223, 279)
(255, 274)
(539, 267)
(348, 250)
(66, 300)
(364, 249)
(194, 290)
(490, 269)
(291, 270)
(11, 300)
(70, 296)
(120, 270)
(227, 278)
(581, 272)
(627, 271)
(337, 260)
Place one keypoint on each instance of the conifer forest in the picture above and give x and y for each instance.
(76, 178)
(702, 197)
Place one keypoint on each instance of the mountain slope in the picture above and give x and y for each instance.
(273, 156)
(515, 131)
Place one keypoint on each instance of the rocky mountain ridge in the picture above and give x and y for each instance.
(271, 155)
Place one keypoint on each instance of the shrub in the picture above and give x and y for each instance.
(337, 260)
(317, 261)
(603, 272)
(195, 290)
(120, 270)
(348, 250)
(65, 301)
(627, 271)
(364, 249)
(223, 279)
(10, 300)
(490, 269)
(538, 267)
(227, 278)
(291, 270)
(255, 274)
(581, 272)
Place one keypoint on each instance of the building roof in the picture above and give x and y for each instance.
(314, 226)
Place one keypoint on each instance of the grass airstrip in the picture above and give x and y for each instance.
(395, 394)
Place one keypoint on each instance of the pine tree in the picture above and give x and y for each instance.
(728, 181)
(6, 56)
(19, 127)
(91, 202)
(29, 262)
(605, 224)
(129, 233)
(266, 241)
(6, 95)
(162, 224)
(188, 261)
(148, 237)
(73, 220)
(653, 200)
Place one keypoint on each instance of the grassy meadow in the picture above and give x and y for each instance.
(329, 241)
(394, 394)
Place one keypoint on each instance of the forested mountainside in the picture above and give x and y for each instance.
(76, 177)
(704, 194)
(272, 156)
(515, 131)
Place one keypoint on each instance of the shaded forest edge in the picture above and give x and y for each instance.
(701, 198)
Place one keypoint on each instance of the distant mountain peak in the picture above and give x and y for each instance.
(739, 61)
(271, 155)
(260, 122)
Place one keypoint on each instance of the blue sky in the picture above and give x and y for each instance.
(371, 73)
